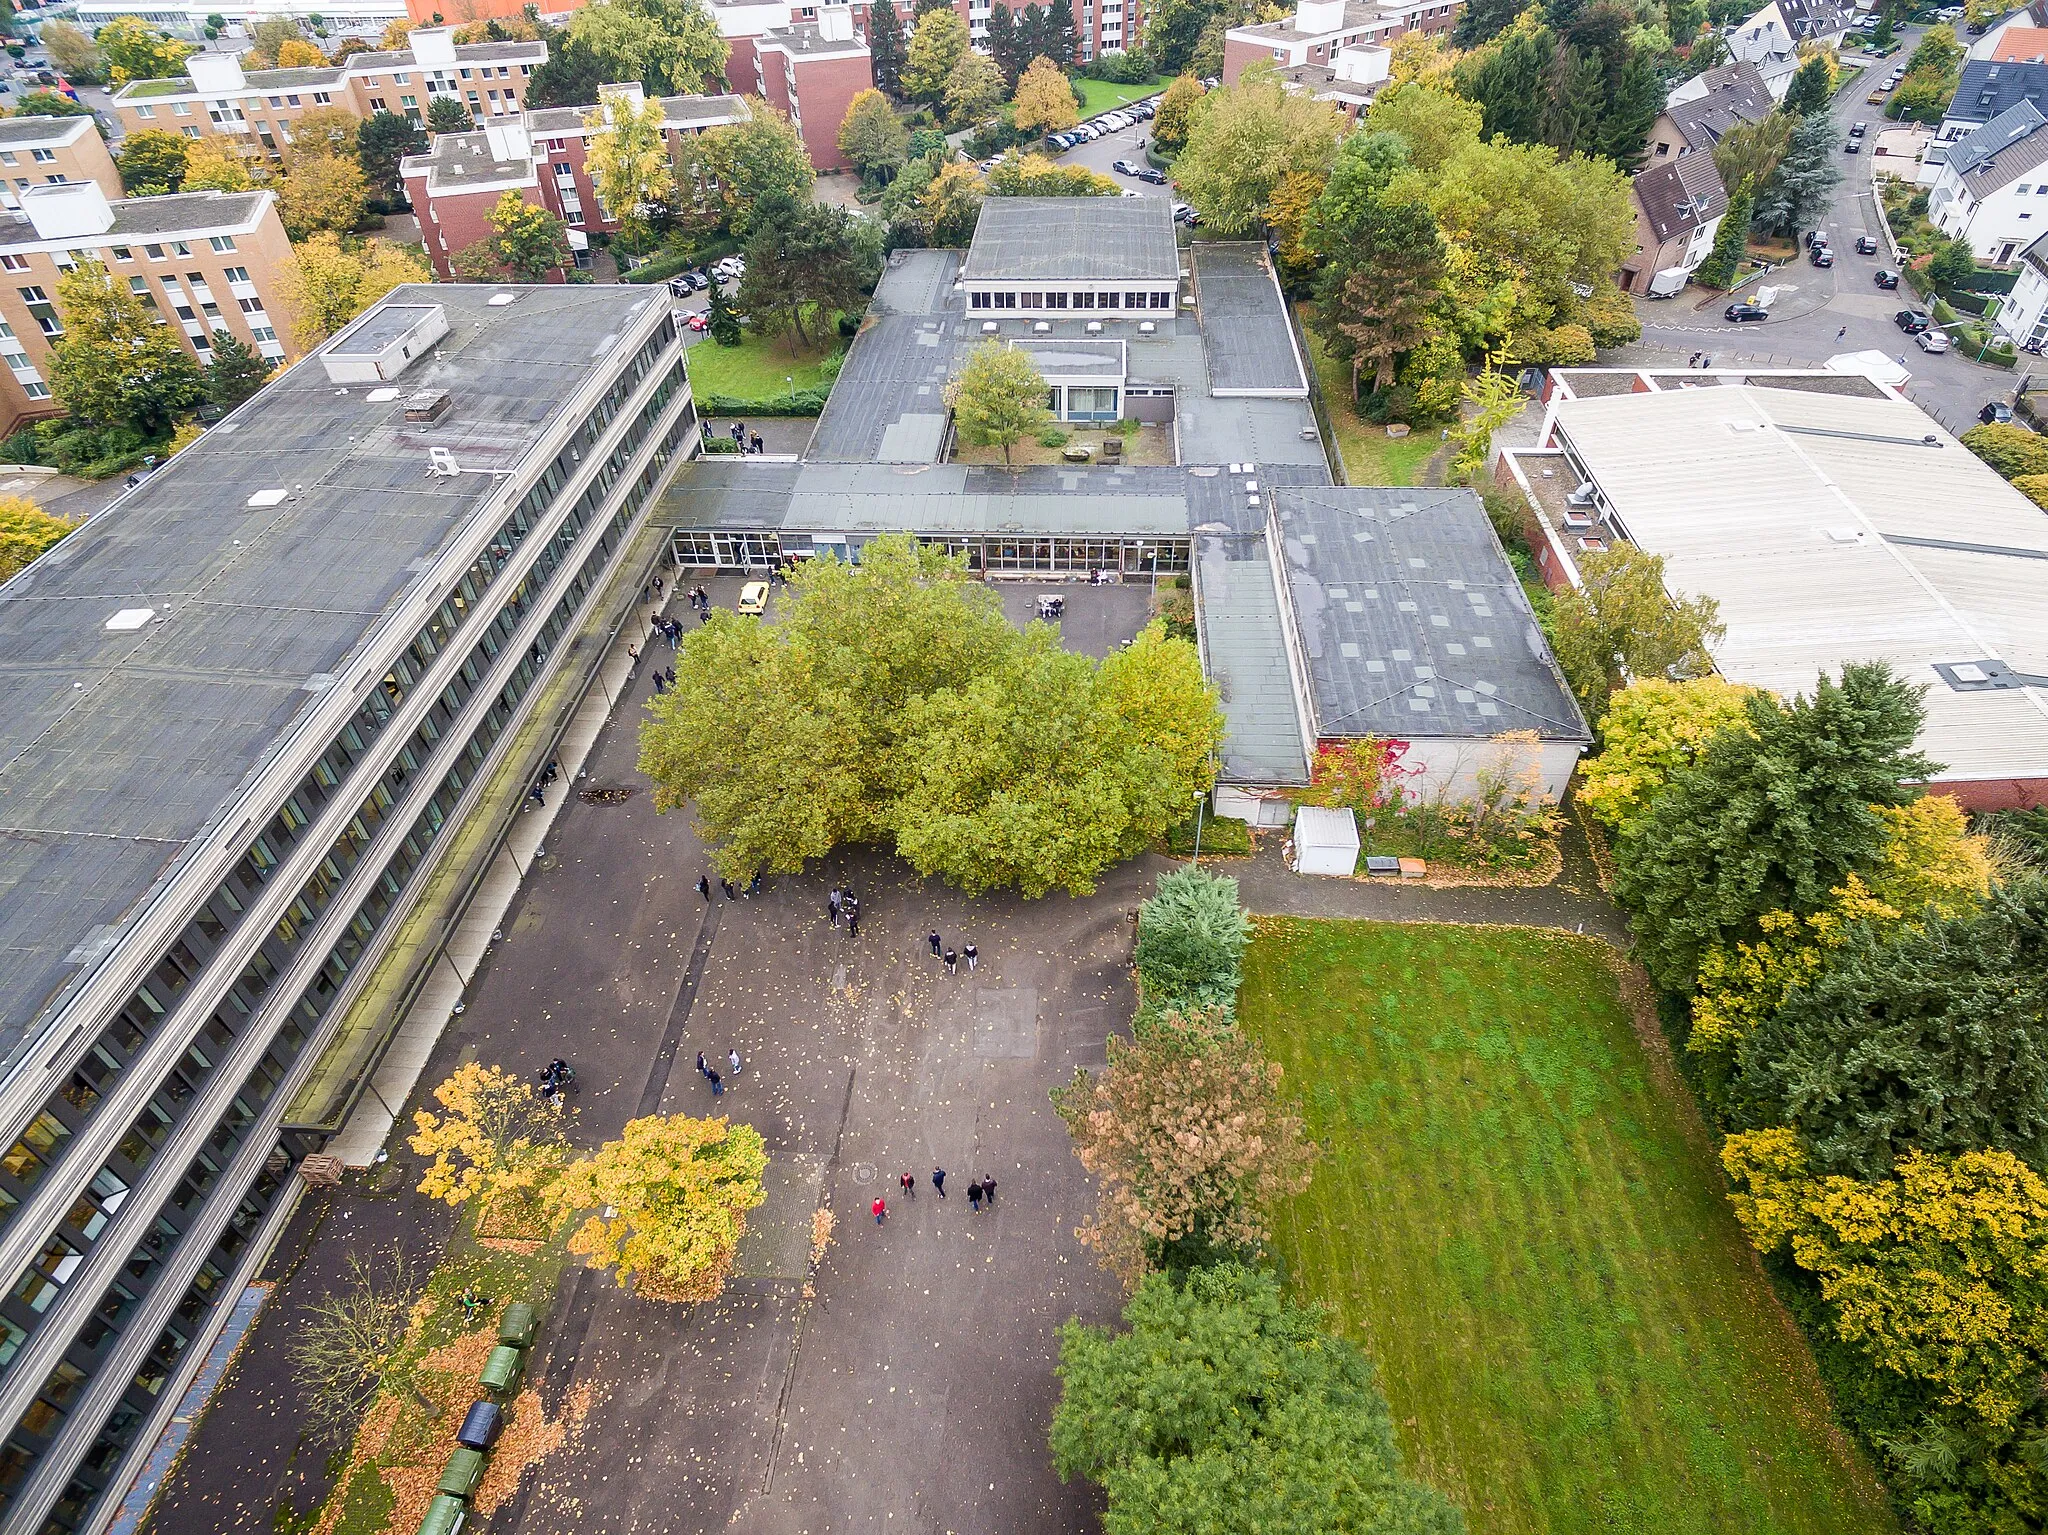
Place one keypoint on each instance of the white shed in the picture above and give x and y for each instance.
(1325, 841)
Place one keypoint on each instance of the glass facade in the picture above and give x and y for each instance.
(1004, 554)
(230, 1178)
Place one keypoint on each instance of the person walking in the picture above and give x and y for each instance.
(853, 920)
(988, 1190)
(1841, 333)
(726, 886)
(880, 1208)
(703, 1070)
(704, 887)
(937, 947)
(832, 906)
(754, 885)
(908, 1184)
(633, 655)
(732, 1059)
(939, 1181)
(717, 1083)
(952, 962)
(969, 953)
(974, 1197)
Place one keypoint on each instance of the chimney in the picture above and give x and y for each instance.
(1362, 64)
(432, 47)
(1318, 16)
(215, 74)
(835, 23)
(67, 210)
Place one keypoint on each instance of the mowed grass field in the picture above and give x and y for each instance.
(1513, 1221)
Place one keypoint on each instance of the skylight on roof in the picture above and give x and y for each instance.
(267, 497)
(130, 618)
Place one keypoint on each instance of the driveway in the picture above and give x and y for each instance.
(1832, 309)
(1126, 144)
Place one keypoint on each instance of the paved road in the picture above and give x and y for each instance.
(1831, 310)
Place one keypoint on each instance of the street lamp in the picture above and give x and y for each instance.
(1201, 802)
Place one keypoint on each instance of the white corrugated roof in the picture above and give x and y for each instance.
(1834, 529)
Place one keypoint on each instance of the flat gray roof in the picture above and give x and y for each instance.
(899, 364)
(1074, 239)
(1244, 321)
(141, 218)
(23, 131)
(1057, 357)
(1412, 621)
(378, 329)
(121, 750)
(1244, 642)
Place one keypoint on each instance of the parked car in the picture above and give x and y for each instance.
(1739, 313)
(1145, 110)
(1123, 167)
(1997, 413)
(1884, 277)
(1912, 321)
(1857, 130)
(754, 597)
(1820, 255)
(1180, 212)
(698, 322)
(1866, 245)
(1935, 341)
(1155, 178)
(1816, 237)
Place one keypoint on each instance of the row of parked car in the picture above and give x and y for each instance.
(1109, 122)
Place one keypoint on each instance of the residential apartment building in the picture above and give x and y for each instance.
(1988, 89)
(558, 139)
(217, 95)
(1320, 31)
(1772, 38)
(341, 628)
(812, 71)
(454, 186)
(189, 18)
(49, 151)
(202, 261)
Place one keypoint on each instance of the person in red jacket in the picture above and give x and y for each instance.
(881, 1208)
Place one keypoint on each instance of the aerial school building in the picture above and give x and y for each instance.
(261, 716)
(1324, 613)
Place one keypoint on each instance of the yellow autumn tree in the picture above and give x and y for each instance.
(670, 1198)
(626, 152)
(215, 163)
(328, 283)
(1044, 99)
(1652, 729)
(1938, 1273)
(26, 530)
(495, 1139)
(1929, 861)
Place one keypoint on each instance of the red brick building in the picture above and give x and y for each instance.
(558, 137)
(812, 71)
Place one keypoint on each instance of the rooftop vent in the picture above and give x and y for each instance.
(989, 327)
(1094, 327)
(1146, 327)
(1042, 327)
(500, 300)
(428, 405)
(381, 396)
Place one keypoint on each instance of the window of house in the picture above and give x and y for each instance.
(236, 274)
(8, 157)
(123, 253)
(1162, 301)
(1032, 300)
(191, 133)
(291, 101)
(276, 101)
(49, 157)
(154, 252)
(978, 301)
(223, 242)
(36, 391)
(139, 112)
(14, 263)
(181, 109)
(409, 102)
(401, 79)
(321, 98)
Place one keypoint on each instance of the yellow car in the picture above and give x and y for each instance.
(754, 597)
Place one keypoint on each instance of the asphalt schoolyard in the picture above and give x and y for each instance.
(912, 1389)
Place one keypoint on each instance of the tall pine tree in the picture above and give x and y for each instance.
(1056, 34)
(1731, 240)
(1004, 45)
(886, 47)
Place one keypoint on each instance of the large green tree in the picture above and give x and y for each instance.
(1799, 189)
(237, 371)
(806, 259)
(872, 136)
(998, 397)
(672, 47)
(1620, 624)
(737, 165)
(114, 365)
(385, 139)
(938, 42)
(1226, 1409)
(1770, 818)
(885, 700)
(1731, 242)
(886, 47)
(1244, 141)
(152, 162)
(1926, 1037)
(1812, 84)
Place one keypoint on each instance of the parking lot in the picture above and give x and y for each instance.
(1127, 144)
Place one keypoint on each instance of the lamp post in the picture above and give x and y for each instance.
(1201, 802)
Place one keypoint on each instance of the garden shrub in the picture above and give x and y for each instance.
(1191, 938)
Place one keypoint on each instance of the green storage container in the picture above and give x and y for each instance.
(515, 1327)
(502, 1370)
(445, 1516)
(464, 1470)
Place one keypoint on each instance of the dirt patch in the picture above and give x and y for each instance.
(606, 794)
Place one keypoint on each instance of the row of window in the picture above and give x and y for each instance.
(39, 1426)
(38, 1285)
(1103, 299)
(25, 1163)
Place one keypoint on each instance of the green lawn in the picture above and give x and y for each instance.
(1101, 95)
(1572, 1332)
(757, 367)
(1370, 456)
